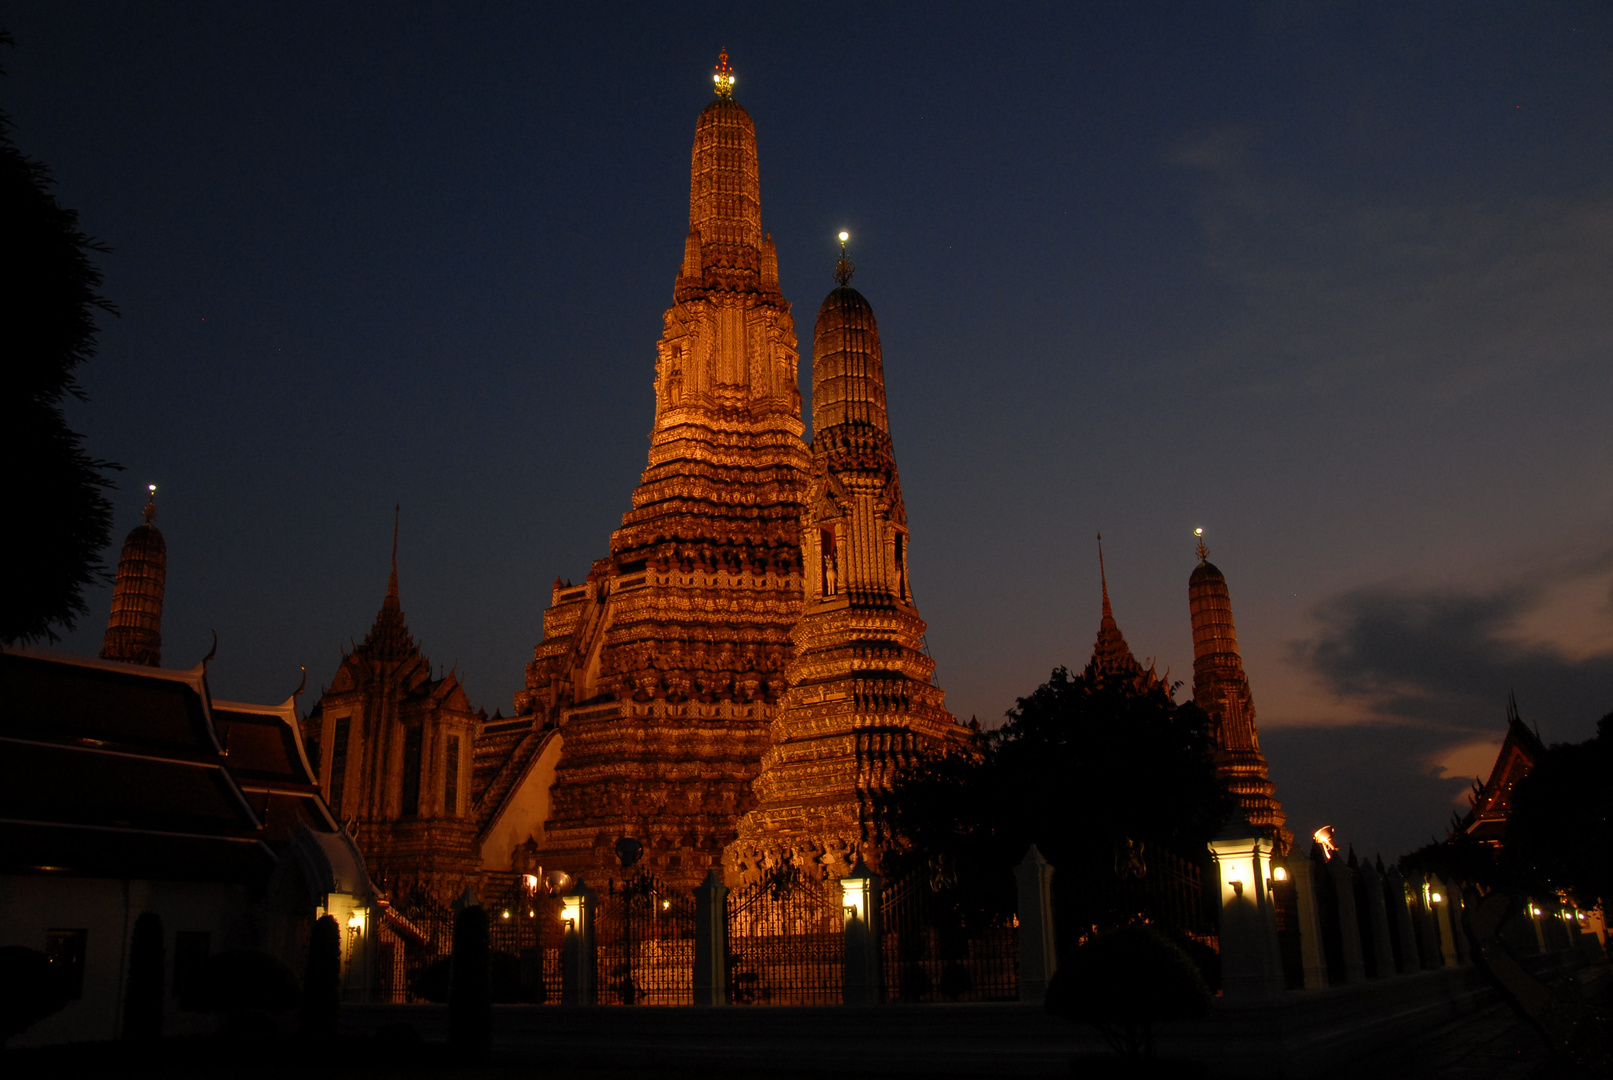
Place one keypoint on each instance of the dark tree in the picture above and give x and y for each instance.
(48, 302)
(142, 1000)
(321, 982)
(1559, 834)
(470, 992)
(1098, 775)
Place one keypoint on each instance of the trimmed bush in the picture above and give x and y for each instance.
(470, 999)
(1124, 981)
(142, 997)
(321, 982)
(29, 990)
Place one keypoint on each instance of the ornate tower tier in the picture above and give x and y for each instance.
(1221, 689)
(664, 667)
(134, 632)
(860, 701)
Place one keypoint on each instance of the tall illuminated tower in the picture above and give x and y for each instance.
(134, 632)
(1221, 689)
(662, 670)
(860, 702)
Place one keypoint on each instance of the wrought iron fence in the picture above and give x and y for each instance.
(1170, 895)
(786, 942)
(524, 935)
(644, 937)
(407, 942)
(934, 952)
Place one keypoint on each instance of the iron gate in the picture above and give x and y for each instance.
(786, 942)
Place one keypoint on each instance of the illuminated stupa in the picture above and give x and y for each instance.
(860, 702)
(1221, 689)
(134, 632)
(663, 668)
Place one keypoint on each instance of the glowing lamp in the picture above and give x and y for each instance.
(1438, 899)
(844, 236)
(666, 905)
(1534, 910)
(529, 882)
(355, 921)
(571, 912)
(1280, 874)
(505, 913)
(856, 891)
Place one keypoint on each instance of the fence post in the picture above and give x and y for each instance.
(1383, 957)
(1037, 959)
(863, 983)
(1405, 929)
(1312, 960)
(1441, 910)
(578, 960)
(711, 941)
(1251, 961)
(1355, 968)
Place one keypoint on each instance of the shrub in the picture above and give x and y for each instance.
(29, 990)
(1125, 980)
(470, 1016)
(321, 984)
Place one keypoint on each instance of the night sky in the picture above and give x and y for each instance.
(1333, 282)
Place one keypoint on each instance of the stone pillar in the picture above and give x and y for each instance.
(1442, 921)
(864, 982)
(1383, 957)
(578, 962)
(1037, 960)
(1400, 915)
(1301, 872)
(1251, 961)
(1355, 969)
(711, 941)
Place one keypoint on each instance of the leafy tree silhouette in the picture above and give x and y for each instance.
(60, 518)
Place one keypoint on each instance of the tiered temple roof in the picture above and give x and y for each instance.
(393, 744)
(1113, 662)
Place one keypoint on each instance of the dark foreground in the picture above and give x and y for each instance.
(1484, 1042)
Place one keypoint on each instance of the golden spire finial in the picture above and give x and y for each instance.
(844, 268)
(1203, 552)
(724, 76)
(151, 503)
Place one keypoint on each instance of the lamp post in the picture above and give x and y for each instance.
(577, 966)
(859, 896)
(1251, 965)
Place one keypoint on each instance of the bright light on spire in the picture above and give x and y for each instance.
(724, 76)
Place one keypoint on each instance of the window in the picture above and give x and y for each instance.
(338, 766)
(411, 771)
(191, 951)
(450, 780)
(65, 951)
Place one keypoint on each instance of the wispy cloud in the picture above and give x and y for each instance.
(1429, 299)
(1445, 657)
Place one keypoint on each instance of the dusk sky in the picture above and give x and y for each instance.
(1334, 282)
